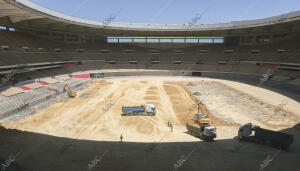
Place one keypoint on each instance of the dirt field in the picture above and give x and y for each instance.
(69, 134)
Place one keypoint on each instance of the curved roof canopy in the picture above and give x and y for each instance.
(28, 15)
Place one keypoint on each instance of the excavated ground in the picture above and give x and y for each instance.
(69, 134)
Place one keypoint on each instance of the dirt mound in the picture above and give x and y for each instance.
(152, 88)
(196, 93)
(190, 84)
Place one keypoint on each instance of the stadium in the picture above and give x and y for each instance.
(79, 94)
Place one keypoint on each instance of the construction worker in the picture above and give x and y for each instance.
(121, 137)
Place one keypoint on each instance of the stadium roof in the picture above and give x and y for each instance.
(24, 14)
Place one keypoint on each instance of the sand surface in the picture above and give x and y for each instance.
(96, 113)
(92, 123)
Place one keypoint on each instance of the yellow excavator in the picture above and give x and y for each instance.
(201, 126)
(70, 92)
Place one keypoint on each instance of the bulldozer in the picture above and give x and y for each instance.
(70, 92)
(201, 127)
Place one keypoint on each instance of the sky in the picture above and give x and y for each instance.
(172, 11)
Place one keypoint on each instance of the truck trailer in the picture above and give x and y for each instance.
(148, 109)
(265, 136)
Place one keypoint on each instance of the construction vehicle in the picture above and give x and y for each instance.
(264, 136)
(70, 92)
(148, 109)
(201, 127)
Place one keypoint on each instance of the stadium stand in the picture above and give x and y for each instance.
(53, 59)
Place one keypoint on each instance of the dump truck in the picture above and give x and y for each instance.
(201, 127)
(264, 136)
(148, 109)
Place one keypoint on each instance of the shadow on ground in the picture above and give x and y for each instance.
(39, 152)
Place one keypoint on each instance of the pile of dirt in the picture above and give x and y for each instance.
(196, 93)
(190, 84)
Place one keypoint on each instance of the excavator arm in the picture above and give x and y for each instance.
(70, 92)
